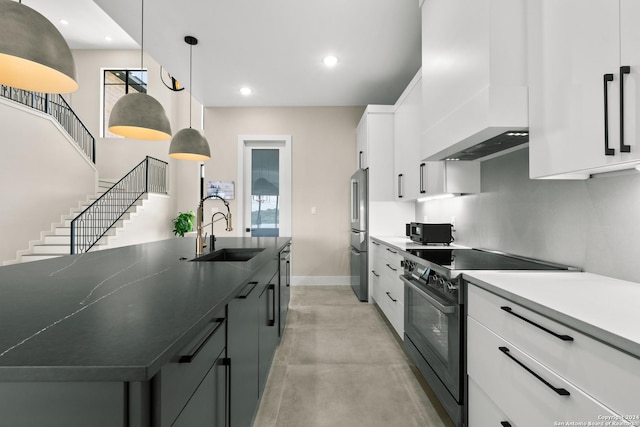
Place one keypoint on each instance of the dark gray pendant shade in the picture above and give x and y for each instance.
(139, 116)
(33, 54)
(189, 144)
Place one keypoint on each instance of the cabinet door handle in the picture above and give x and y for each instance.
(272, 322)
(607, 151)
(560, 391)
(400, 195)
(625, 69)
(246, 291)
(392, 268)
(392, 298)
(422, 190)
(360, 154)
(375, 243)
(188, 358)
(531, 322)
(392, 251)
(505, 424)
(374, 273)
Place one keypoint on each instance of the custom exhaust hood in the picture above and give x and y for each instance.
(504, 141)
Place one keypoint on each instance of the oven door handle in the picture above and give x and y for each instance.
(446, 309)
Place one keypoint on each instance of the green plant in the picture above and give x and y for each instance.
(183, 223)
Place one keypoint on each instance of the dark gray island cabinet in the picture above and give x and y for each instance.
(139, 336)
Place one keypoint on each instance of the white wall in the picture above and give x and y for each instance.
(42, 173)
(593, 224)
(323, 155)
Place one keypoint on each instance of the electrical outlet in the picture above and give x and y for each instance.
(424, 219)
(214, 210)
(313, 210)
(453, 222)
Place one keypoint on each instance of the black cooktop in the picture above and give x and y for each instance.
(477, 259)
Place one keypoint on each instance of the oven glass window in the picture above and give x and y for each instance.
(431, 323)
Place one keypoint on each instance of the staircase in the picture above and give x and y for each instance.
(56, 242)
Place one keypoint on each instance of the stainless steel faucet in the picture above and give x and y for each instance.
(199, 218)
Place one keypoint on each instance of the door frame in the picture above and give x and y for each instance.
(286, 189)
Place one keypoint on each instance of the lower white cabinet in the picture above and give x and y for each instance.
(386, 287)
(528, 370)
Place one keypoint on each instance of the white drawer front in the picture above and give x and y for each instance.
(392, 256)
(483, 412)
(524, 398)
(610, 376)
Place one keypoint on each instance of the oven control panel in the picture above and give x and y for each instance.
(429, 278)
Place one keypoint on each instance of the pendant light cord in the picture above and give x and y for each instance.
(190, 81)
(142, 38)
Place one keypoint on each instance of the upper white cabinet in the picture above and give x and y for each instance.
(584, 60)
(473, 73)
(374, 145)
(450, 177)
(406, 150)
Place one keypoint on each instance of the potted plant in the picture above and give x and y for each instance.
(183, 223)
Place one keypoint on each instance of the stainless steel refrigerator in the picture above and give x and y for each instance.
(359, 234)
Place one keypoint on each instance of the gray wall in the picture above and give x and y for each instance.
(593, 224)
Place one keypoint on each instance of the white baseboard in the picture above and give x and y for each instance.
(320, 280)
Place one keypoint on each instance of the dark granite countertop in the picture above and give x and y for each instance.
(117, 314)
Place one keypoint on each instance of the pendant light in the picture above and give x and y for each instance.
(33, 54)
(189, 143)
(138, 115)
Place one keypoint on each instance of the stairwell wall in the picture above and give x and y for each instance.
(43, 175)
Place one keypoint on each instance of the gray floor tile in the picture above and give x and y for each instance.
(340, 364)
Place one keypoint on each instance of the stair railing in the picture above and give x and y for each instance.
(149, 176)
(55, 106)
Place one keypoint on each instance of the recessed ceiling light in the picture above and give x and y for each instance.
(330, 61)
(246, 91)
(107, 38)
(64, 22)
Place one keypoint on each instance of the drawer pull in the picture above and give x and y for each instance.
(375, 243)
(188, 358)
(246, 291)
(374, 273)
(391, 267)
(392, 251)
(560, 391)
(562, 337)
(392, 298)
(505, 424)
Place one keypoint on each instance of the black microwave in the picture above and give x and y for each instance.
(429, 233)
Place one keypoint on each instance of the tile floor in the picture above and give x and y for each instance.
(340, 365)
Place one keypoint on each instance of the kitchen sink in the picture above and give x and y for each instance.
(230, 255)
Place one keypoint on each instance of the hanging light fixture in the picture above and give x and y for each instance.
(33, 54)
(138, 115)
(189, 143)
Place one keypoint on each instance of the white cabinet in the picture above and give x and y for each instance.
(386, 287)
(449, 177)
(374, 150)
(474, 80)
(578, 86)
(520, 361)
(406, 148)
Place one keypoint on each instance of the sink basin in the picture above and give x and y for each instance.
(230, 254)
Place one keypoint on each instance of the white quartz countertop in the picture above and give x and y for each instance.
(602, 307)
(403, 243)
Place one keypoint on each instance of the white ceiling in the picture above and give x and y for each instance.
(273, 46)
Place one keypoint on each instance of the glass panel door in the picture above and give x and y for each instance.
(265, 192)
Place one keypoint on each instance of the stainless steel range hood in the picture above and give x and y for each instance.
(499, 143)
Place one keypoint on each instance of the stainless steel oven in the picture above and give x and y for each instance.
(433, 325)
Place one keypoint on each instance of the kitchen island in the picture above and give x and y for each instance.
(103, 324)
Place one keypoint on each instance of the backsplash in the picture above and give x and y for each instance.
(592, 224)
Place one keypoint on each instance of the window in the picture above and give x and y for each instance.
(117, 83)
